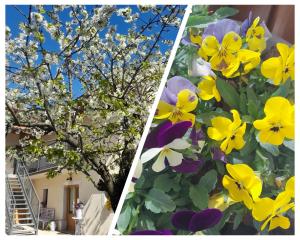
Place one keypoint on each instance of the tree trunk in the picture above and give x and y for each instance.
(113, 185)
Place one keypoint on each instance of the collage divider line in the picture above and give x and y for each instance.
(188, 10)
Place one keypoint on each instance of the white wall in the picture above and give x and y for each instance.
(57, 193)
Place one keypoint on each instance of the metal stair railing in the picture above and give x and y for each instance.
(29, 192)
(9, 200)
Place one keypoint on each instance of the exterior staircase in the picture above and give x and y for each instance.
(22, 203)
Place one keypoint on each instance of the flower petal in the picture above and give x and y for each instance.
(272, 68)
(152, 232)
(174, 158)
(232, 41)
(149, 154)
(188, 166)
(181, 219)
(205, 219)
(187, 100)
(168, 133)
(210, 45)
(262, 209)
(163, 110)
(196, 135)
(275, 106)
(178, 144)
(159, 163)
(279, 221)
(220, 28)
(177, 84)
(219, 129)
(290, 186)
(152, 139)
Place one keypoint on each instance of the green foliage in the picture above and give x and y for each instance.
(201, 17)
(199, 196)
(157, 201)
(228, 93)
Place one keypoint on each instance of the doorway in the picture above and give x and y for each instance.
(72, 192)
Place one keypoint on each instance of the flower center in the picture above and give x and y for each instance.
(176, 113)
(275, 129)
(239, 185)
(165, 150)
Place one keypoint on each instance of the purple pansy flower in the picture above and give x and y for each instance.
(164, 142)
(220, 28)
(196, 221)
(249, 21)
(246, 24)
(218, 155)
(174, 86)
(152, 232)
(165, 133)
(196, 135)
(188, 166)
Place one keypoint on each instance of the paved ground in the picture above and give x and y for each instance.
(46, 232)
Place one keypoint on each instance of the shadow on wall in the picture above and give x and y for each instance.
(96, 217)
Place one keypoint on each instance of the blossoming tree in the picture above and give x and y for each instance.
(96, 128)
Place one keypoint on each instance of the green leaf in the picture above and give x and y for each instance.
(273, 149)
(200, 21)
(163, 182)
(283, 90)
(251, 145)
(243, 103)
(209, 180)
(290, 144)
(220, 167)
(157, 201)
(224, 12)
(253, 103)
(199, 196)
(228, 93)
(124, 218)
(270, 148)
(237, 220)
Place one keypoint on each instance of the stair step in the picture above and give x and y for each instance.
(23, 224)
(23, 219)
(19, 204)
(22, 213)
(22, 208)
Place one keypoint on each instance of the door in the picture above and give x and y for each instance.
(72, 196)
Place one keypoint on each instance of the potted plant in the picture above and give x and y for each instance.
(51, 226)
(78, 209)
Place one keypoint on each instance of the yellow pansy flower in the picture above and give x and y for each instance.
(278, 123)
(290, 187)
(242, 184)
(271, 211)
(279, 69)
(223, 55)
(247, 61)
(186, 102)
(255, 36)
(228, 57)
(197, 39)
(208, 89)
(231, 132)
(218, 201)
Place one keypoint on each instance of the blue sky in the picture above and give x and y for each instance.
(14, 18)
